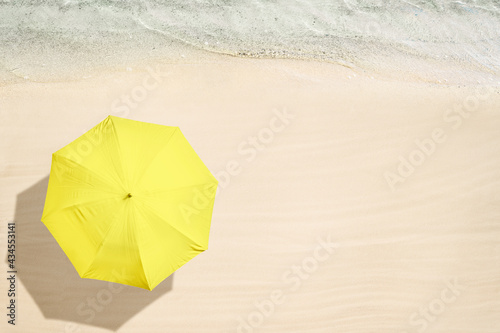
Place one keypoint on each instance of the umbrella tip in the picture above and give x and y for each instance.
(129, 195)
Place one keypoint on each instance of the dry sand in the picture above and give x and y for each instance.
(303, 151)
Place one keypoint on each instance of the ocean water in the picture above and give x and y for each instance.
(439, 41)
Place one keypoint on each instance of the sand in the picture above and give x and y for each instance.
(346, 203)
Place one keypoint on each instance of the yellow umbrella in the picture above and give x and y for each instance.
(129, 202)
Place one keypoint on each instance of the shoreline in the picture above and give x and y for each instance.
(189, 57)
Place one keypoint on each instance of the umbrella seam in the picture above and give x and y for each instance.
(99, 248)
(123, 178)
(76, 205)
(179, 233)
(104, 180)
(140, 258)
(178, 188)
(153, 210)
(156, 155)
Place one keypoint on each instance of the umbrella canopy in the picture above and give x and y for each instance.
(129, 202)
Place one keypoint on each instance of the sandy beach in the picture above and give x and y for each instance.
(346, 202)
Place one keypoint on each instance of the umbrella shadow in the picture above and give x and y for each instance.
(50, 278)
